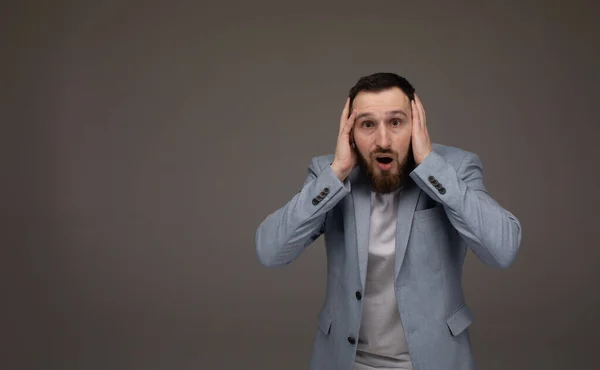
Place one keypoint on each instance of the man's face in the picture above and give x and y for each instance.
(382, 134)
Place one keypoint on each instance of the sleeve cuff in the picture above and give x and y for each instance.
(437, 178)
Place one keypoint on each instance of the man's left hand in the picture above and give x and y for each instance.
(421, 144)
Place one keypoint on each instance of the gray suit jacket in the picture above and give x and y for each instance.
(444, 210)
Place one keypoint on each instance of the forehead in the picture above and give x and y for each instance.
(381, 101)
(381, 111)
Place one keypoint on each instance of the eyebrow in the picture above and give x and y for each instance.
(390, 113)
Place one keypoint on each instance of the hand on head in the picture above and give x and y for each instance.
(345, 158)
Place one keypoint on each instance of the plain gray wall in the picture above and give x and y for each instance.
(143, 142)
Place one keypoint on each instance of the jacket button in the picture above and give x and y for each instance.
(351, 340)
(431, 179)
(315, 202)
(358, 295)
(326, 190)
(442, 191)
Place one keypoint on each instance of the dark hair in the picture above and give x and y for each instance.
(381, 81)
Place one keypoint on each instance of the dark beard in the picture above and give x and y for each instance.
(387, 182)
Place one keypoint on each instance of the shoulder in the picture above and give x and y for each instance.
(454, 155)
(318, 163)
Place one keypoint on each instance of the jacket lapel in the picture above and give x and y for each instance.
(407, 203)
(361, 196)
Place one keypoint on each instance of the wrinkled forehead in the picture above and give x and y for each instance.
(382, 111)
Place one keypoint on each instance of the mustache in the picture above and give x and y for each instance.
(383, 151)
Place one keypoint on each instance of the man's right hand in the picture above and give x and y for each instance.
(345, 159)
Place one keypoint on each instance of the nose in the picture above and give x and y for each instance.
(383, 138)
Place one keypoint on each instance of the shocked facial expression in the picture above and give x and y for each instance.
(382, 135)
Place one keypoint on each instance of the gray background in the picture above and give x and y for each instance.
(143, 142)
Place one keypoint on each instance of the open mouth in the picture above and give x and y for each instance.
(384, 160)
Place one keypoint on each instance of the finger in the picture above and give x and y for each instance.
(421, 110)
(350, 122)
(424, 133)
(416, 122)
(418, 111)
(344, 115)
(345, 110)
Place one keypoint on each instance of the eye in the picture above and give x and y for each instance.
(367, 124)
(396, 122)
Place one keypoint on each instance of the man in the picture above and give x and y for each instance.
(398, 214)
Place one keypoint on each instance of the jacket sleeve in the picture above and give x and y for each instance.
(490, 231)
(284, 234)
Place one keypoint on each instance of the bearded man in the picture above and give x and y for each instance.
(398, 214)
